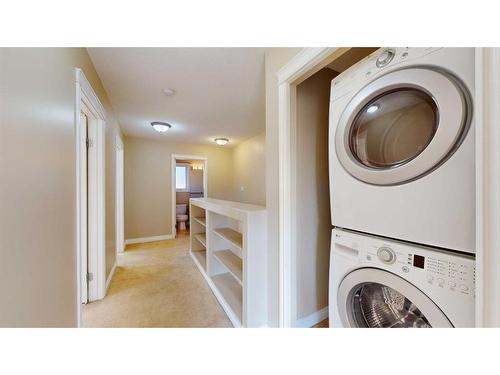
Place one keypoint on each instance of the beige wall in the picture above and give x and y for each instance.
(37, 193)
(249, 171)
(148, 185)
(275, 58)
(313, 209)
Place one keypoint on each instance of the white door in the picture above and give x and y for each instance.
(120, 230)
(374, 298)
(88, 207)
(402, 126)
(83, 210)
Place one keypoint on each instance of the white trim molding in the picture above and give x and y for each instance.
(312, 319)
(487, 119)
(163, 237)
(110, 277)
(302, 66)
(86, 99)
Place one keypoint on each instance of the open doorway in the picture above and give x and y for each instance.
(189, 180)
(305, 230)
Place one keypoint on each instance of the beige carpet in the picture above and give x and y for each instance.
(156, 285)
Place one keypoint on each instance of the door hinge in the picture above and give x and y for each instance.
(90, 143)
(90, 276)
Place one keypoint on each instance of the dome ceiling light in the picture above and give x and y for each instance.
(221, 141)
(160, 127)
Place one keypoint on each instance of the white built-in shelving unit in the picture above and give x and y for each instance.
(229, 246)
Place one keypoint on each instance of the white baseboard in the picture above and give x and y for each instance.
(110, 277)
(149, 239)
(312, 319)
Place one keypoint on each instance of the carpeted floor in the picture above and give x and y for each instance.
(156, 284)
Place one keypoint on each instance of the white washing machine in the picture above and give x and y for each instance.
(402, 146)
(376, 282)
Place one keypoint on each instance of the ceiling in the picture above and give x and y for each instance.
(219, 92)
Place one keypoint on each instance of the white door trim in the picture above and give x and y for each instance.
(85, 97)
(120, 193)
(302, 66)
(176, 157)
(487, 113)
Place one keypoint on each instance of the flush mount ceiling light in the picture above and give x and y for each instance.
(221, 141)
(372, 108)
(160, 127)
(169, 91)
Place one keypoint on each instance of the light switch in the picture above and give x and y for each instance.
(242, 188)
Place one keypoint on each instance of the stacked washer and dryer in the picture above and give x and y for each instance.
(402, 185)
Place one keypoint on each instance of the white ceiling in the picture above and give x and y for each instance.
(220, 92)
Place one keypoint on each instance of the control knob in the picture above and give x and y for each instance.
(386, 255)
(385, 58)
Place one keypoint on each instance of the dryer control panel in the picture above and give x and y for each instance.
(372, 65)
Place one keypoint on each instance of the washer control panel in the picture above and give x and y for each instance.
(437, 269)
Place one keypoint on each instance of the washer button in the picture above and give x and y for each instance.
(464, 288)
(452, 284)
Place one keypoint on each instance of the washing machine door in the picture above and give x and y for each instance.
(374, 298)
(402, 126)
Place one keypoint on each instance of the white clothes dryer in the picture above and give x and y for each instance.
(401, 153)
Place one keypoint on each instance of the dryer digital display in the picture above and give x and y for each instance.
(418, 261)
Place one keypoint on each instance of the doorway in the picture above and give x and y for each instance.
(189, 180)
(304, 87)
(90, 125)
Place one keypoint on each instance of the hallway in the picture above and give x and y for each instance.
(156, 284)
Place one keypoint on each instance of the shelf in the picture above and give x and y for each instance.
(231, 291)
(201, 220)
(232, 262)
(231, 235)
(202, 238)
(201, 257)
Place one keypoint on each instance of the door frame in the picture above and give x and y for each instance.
(120, 195)
(487, 115)
(306, 63)
(85, 97)
(176, 157)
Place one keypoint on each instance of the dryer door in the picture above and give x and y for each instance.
(402, 125)
(373, 298)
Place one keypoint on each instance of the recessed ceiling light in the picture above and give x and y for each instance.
(372, 108)
(221, 141)
(160, 127)
(169, 91)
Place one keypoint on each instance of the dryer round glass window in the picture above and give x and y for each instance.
(402, 125)
(394, 128)
(378, 306)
